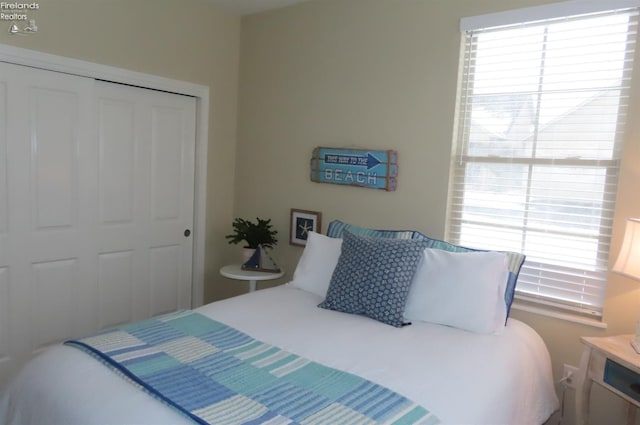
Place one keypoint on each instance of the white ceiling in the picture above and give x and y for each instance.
(247, 7)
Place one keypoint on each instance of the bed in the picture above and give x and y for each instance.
(500, 374)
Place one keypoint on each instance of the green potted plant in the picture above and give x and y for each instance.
(253, 234)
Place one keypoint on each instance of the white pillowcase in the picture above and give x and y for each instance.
(460, 289)
(315, 268)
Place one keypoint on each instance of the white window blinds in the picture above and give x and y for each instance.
(541, 115)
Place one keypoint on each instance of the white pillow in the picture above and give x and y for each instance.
(460, 289)
(315, 268)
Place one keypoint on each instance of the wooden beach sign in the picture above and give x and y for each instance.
(375, 169)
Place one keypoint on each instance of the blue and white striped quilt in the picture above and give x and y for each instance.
(215, 374)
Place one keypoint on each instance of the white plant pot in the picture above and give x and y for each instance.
(247, 253)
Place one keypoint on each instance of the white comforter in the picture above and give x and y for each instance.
(463, 378)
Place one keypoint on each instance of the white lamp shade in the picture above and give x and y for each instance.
(628, 262)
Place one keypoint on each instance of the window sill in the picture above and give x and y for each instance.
(574, 318)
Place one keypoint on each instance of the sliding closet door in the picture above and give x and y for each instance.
(96, 197)
(47, 205)
(146, 143)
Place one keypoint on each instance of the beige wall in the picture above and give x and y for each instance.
(190, 41)
(382, 74)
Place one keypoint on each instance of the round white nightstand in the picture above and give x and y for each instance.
(234, 271)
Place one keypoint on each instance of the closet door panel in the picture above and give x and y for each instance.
(4, 208)
(4, 316)
(115, 286)
(165, 275)
(172, 193)
(48, 201)
(53, 122)
(154, 145)
(53, 301)
(116, 131)
(166, 128)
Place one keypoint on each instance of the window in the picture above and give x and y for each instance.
(541, 115)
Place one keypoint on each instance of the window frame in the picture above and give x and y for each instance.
(461, 145)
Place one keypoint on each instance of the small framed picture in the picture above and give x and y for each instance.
(303, 222)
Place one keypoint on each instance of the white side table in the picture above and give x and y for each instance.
(234, 271)
(612, 363)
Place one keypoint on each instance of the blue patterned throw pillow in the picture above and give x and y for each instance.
(373, 277)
